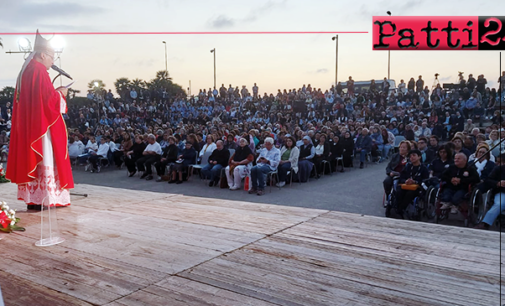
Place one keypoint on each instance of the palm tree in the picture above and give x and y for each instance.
(122, 85)
(71, 93)
(138, 84)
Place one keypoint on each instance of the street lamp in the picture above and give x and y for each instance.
(335, 38)
(166, 67)
(24, 45)
(214, 51)
(389, 54)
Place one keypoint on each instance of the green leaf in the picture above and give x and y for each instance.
(5, 230)
(17, 228)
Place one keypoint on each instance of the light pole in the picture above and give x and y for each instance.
(166, 67)
(389, 54)
(336, 59)
(214, 51)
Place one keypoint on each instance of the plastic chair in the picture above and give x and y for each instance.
(326, 163)
(205, 162)
(270, 176)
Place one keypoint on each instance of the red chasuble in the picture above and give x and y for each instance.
(36, 112)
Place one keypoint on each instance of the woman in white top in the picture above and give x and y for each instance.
(209, 146)
(493, 141)
(289, 160)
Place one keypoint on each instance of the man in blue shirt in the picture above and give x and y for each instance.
(267, 162)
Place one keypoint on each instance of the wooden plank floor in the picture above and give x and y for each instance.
(126, 247)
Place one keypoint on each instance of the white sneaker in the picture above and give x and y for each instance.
(445, 205)
(280, 184)
(454, 209)
(235, 188)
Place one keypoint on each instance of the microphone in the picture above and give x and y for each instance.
(61, 71)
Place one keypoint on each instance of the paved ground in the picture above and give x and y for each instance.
(355, 191)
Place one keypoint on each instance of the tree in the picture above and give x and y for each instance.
(7, 93)
(122, 85)
(71, 93)
(96, 85)
(138, 84)
(164, 82)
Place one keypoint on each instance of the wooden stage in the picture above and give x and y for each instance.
(126, 247)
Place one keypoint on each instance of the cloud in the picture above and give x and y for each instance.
(35, 12)
(222, 21)
(255, 13)
(322, 70)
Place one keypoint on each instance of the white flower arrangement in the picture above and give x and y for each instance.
(8, 219)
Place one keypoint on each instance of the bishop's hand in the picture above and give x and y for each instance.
(63, 90)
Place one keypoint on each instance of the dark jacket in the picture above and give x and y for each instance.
(221, 156)
(468, 175)
(393, 163)
(336, 149)
(487, 170)
(497, 175)
(188, 156)
(364, 142)
(417, 173)
(138, 149)
(170, 153)
(429, 156)
(347, 146)
(438, 166)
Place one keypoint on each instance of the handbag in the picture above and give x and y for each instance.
(223, 182)
(409, 187)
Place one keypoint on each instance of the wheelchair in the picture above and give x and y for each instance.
(414, 210)
(472, 203)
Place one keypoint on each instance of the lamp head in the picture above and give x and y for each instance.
(212, 51)
(24, 44)
(96, 84)
(389, 13)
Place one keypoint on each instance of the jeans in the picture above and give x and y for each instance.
(258, 176)
(283, 171)
(363, 154)
(212, 171)
(453, 196)
(384, 149)
(497, 208)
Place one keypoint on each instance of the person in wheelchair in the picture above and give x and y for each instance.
(496, 182)
(444, 160)
(413, 174)
(396, 165)
(457, 179)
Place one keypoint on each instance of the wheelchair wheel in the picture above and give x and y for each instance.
(484, 207)
(429, 203)
(476, 204)
(390, 202)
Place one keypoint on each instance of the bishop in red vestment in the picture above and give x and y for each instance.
(38, 155)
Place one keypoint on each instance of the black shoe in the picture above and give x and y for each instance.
(33, 207)
(143, 176)
(211, 183)
(361, 165)
(132, 173)
(149, 177)
(179, 182)
(172, 181)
